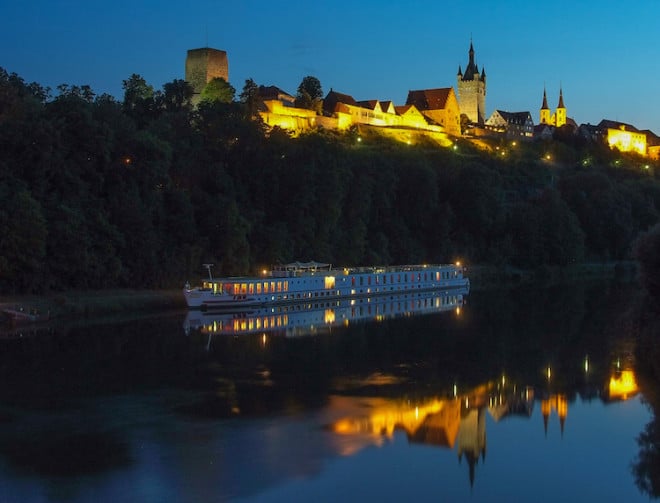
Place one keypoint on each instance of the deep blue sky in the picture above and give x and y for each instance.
(604, 54)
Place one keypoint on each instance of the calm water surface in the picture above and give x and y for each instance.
(521, 395)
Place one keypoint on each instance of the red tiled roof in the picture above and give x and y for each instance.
(429, 99)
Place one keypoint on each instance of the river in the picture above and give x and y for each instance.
(526, 394)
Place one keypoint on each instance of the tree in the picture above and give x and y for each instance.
(177, 96)
(23, 246)
(136, 92)
(138, 99)
(310, 94)
(218, 89)
(647, 253)
(250, 97)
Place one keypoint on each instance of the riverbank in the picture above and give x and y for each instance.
(64, 305)
(489, 276)
(67, 305)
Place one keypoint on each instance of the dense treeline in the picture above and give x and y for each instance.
(100, 193)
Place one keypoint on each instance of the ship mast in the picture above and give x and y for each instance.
(208, 268)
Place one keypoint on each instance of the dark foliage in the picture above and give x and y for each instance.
(98, 193)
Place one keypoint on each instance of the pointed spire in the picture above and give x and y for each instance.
(483, 73)
(561, 99)
(471, 69)
(459, 71)
(545, 101)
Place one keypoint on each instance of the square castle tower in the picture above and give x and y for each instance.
(203, 65)
(472, 90)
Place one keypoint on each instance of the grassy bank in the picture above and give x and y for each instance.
(98, 303)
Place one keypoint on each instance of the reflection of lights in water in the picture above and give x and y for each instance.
(548, 373)
(586, 364)
(624, 385)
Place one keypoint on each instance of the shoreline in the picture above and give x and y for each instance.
(85, 304)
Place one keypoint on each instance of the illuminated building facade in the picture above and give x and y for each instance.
(515, 125)
(624, 137)
(204, 65)
(472, 90)
(277, 108)
(440, 106)
(558, 119)
(349, 112)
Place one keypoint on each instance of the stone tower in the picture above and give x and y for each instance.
(560, 114)
(545, 110)
(203, 65)
(472, 90)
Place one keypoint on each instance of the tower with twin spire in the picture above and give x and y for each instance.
(472, 90)
(558, 119)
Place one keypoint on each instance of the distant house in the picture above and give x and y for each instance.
(622, 136)
(652, 144)
(440, 106)
(411, 117)
(591, 132)
(514, 125)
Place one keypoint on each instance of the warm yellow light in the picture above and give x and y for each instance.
(329, 316)
(549, 373)
(624, 385)
(548, 157)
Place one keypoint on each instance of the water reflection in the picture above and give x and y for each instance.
(312, 318)
(456, 422)
(93, 412)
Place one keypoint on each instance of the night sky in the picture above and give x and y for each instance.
(604, 54)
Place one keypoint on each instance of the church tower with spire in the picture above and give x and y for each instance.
(560, 114)
(558, 119)
(472, 90)
(545, 110)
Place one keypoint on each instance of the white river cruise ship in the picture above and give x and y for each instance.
(304, 281)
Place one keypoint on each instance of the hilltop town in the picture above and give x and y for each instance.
(441, 114)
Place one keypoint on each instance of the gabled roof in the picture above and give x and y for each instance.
(370, 104)
(385, 105)
(273, 93)
(609, 124)
(402, 109)
(515, 117)
(430, 99)
(333, 97)
(652, 139)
